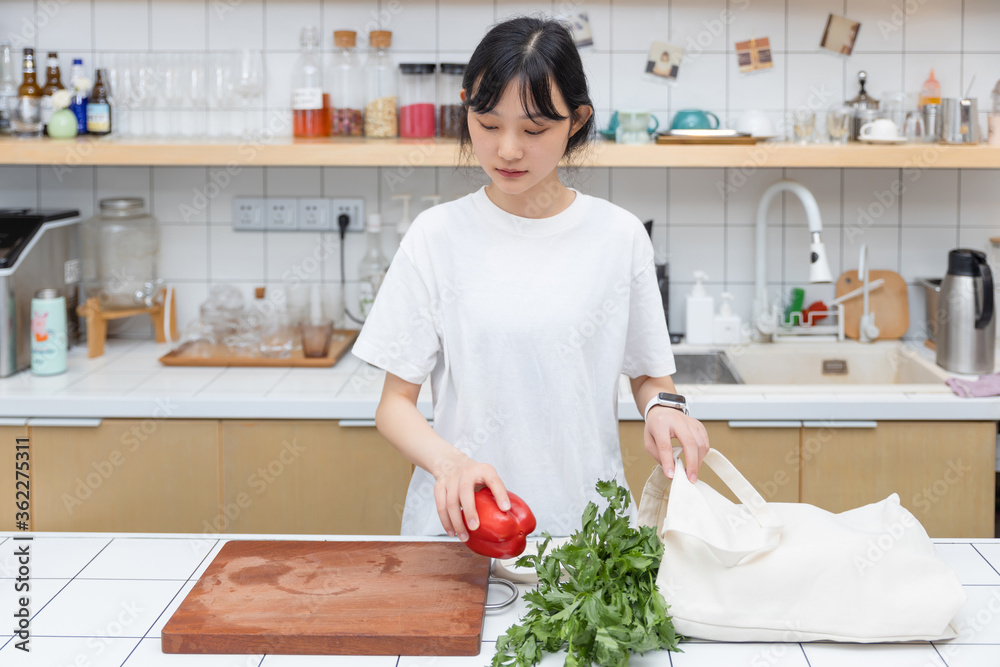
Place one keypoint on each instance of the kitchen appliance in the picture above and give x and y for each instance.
(966, 331)
(960, 121)
(862, 103)
(38, 249)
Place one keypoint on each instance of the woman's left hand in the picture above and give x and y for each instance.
(665, 423)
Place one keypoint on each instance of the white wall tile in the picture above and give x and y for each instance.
(293, 181)
(885, 74)
(825, 187)
(690, 92)
(763, 18)
(416, 26)
(632, 88)
(278, 93)
(296, 256)
(815, 81)
(235, 256)
(981, 25)
(284, 21)
(807, 20)
(123, 182)
(930, 198)
(595, 182)
(985, 68)
(638, 23)
(934, 26)
(233, 25)
(238, 182)
(121, 25)
(452, 184)
(696, 197)
(183, 253)
(178, 25)
(871, 198)
(925, 251)
(64, 25)
(947, 70)
(642, 192)
(68, 188)
(883, 248)
(506, 9)
(697, 248)
(744, 188)
(189, 297)
(978, 239)
(597, 66)
(461, 24)
(980, 194)
(19, 187)
(418, 181)
(763, 89)
(881, 24)
(18, 25)
(361, 16)
(740, 256)
(180, 195)
(599, 13)
(701, 26)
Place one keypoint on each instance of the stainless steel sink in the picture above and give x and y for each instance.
(705, 368)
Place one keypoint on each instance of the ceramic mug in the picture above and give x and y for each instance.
(756, 123)
(694, 119)
(634, 126)
(880, 128)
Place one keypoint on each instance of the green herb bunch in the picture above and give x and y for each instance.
(606, 607)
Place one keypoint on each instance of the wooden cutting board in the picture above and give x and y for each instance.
(335, 598)
(890, 303)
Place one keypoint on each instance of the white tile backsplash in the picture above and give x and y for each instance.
(121, 25)
(930, 198)
(637, 23)
(236, 25)
(65, 24)
(283, 23)
(924, 251)
(934, 26)
(178, 25)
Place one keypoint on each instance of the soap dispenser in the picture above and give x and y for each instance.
(727, 324)
(700, 312)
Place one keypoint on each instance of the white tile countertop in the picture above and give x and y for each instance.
(128, 381)
(101, 600)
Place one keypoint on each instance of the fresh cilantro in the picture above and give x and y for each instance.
(607, 607)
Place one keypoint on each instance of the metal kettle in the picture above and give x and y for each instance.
(967, 325)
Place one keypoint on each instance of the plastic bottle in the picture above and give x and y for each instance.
(371, 270)
(700, 312)
(80, 86)
(930, 93)
(726, 325)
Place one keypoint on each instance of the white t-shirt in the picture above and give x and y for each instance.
(525, 327)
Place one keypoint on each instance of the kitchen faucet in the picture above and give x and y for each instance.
(765, 315)
(867, 331)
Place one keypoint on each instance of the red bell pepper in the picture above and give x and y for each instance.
(500, 534)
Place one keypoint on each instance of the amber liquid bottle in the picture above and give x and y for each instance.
(98, 108)
(26, 116)
(52, 84)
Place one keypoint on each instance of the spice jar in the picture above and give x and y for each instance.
(417, 99)
(451, 109)
(380, 110)
(346, 86)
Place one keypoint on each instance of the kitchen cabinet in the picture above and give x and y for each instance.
(942, 471)
(768, 456)
(125, 475)
(321, 477)
(8, 479)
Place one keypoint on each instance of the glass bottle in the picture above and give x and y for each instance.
(308, 110)
(120, 247)
(99, 107)
(78, 103)
(371, 270)
(347, 87)
(380, 75)
(8, 87)
(53, 82)
(26, 119)
(451, 109)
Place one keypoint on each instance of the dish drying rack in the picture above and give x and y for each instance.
(803, 330)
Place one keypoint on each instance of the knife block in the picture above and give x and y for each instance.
(98, 318)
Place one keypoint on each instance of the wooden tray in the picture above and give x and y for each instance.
(705, 139)
(181, 356)
(334, 598)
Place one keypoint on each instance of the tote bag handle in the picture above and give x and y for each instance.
(731, 531)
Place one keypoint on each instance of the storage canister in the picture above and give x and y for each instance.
(451, 109)
(48, 333)
(380, 75)
(346, 86)
(417, 97)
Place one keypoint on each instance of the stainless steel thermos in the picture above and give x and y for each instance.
(966, 330)
(48, 333)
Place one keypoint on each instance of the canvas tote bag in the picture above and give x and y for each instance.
(792, 572)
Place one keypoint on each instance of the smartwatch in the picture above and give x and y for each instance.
(675, 401)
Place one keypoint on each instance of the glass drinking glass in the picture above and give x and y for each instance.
(222, 90)
(804, 123)
(173, 90)
(248, 81)
(333, 308)
(838, 124)
(913, 126)
(146, 91)
(197, 90)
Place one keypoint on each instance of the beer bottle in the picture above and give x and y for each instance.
(98, 107)
(26, 119)
(52, 84)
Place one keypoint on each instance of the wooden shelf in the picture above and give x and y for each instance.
(444, 153)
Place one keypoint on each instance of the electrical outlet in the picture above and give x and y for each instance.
(354, 209)
(314, 215)
(282, 215)
(248, 213)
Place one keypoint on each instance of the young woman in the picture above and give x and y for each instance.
(524, 302)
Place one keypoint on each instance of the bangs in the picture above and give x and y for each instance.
(534, 88)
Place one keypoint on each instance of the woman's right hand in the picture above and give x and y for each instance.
(457, 480)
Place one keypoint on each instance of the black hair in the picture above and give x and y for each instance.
(534, 52)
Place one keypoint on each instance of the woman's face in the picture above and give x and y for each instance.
(519, 153)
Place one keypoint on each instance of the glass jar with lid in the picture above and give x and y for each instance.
(380, 75)
(346, 86)
(417, 99)
(450, 109)
(121, 245)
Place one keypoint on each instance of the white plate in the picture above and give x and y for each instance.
(876, 140)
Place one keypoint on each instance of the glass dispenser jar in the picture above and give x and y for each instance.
(121, 244)
(417, 98)
(450, 109)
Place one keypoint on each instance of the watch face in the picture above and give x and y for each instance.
(675, 398)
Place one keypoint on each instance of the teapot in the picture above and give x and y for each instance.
(694, 119)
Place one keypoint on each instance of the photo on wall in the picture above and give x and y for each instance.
(840, 35)
(754, 54)
(664, 60)
(579, 27)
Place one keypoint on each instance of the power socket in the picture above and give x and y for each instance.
(314, 215)
(248, 214)
(282, 215)
(353, 208)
